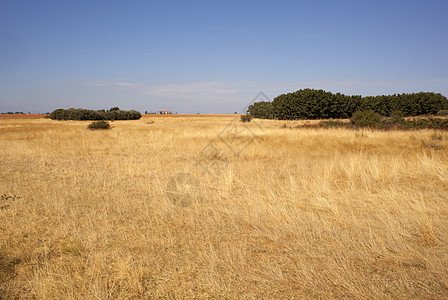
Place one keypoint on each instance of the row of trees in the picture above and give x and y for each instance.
(319, 104)
(80, 114)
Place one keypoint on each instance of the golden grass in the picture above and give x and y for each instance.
(300, 213)
(22, 116)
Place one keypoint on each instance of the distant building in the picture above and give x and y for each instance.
(164, 112)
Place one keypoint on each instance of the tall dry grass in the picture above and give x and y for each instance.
(300, 213)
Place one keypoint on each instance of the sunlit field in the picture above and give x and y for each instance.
(209, 207)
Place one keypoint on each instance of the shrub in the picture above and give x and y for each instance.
(99, 125)
(262, 110)
(443, 112)
(367, 118)
(374, 120)
(334, 124)
(397, 117)
(318, 104)
(432, 145)
(437, 137)
(80, 114)
(246, 118)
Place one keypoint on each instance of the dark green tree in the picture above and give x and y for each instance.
(261, 110)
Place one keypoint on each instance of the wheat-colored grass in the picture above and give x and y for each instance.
(300, 213)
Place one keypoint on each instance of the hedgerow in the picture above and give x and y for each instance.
(371, 119)
(319, 104)
(81, 114)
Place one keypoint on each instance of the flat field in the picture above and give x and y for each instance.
(21, 116)
(207, 207)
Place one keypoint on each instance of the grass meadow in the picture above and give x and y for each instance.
(206, 207)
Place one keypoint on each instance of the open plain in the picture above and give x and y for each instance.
(209, 207)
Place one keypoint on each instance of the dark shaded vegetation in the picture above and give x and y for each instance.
(7, 273)
(7, 264)
(318, 104)
(5, 200)
(371, 119)
(443, 112)
(81, 114)
(99, 125)
(262, 110)
(246, 118)
(368, 118)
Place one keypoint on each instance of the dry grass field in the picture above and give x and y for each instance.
(21, 116)
(207, 208)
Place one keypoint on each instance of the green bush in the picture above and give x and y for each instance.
(319, 104)
(397, 117)
(246, 118)
(367, 118)
(80, 114)
(99, 125)
(396, 120)
(261, 110)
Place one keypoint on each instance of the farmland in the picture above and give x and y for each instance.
(204, 206)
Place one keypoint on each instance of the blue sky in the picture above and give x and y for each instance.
(214, 56)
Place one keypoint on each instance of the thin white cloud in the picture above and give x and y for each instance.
(108, 83)
(188, 89)
(175, 89)
(215, 88)
(229, 96)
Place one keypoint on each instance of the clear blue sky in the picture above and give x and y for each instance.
(214, 56)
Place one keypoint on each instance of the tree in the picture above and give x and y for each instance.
(81, 114)
(318, 104)
(262, 110)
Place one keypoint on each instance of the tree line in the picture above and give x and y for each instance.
(319, 104)
(81, 114)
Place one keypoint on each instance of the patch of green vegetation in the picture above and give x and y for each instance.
(443, 112)
(80, 114)
(371, 119)
(246, 118)
(99, 125)
(319, 104)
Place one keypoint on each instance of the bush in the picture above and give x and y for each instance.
(318, 104)
(99, 125)
(81, 114)
(443, 112)
(246, 118)
(261, 110)
(397, 117)
(396, 120)
(371, 119)
(367, 118)
(334, 124)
